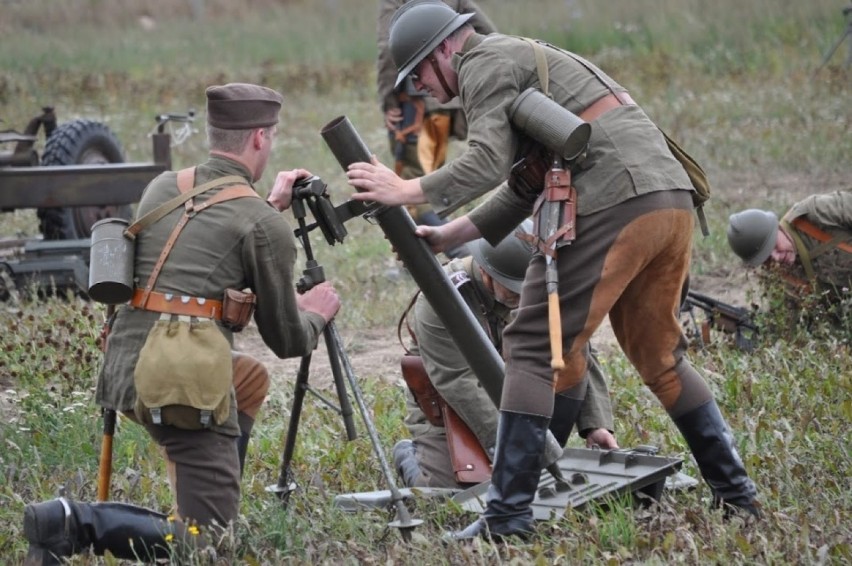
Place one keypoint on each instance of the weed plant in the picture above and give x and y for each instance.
(737, 83)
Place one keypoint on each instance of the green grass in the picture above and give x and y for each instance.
(736, 82)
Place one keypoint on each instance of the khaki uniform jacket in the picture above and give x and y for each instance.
(627, 155)
(831, 213)
(241, 243)
(458, 385)
(386, 70)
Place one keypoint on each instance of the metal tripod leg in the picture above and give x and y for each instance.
(403, 521)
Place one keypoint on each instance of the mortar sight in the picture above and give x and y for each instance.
(313, 191)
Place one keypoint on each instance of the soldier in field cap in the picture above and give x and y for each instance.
(232, 244)
(242, 106)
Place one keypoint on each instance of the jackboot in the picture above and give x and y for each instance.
(566, 411)
(246, 424)
(712, 445)
(514, 479)
(405, 462)
(60, 528)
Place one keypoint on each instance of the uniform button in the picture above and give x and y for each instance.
(445, 200)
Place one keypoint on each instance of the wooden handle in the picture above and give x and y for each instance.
(105, 464)
(105, 468)
(555, 323)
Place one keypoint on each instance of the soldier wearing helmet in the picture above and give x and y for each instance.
(490, 282)
(811, 246)
(629, 260)
(419, 127)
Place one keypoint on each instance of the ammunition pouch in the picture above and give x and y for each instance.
(237, 309)
(526, 178)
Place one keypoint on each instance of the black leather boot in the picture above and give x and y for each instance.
(246, 425)
(514, 479)
(565, 414)
(712, 445)
(60, 528)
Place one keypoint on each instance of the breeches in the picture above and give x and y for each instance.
(203, 465)
(629, 261)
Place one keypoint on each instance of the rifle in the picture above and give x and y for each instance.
(721, 316)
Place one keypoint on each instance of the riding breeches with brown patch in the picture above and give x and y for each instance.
(629, 261)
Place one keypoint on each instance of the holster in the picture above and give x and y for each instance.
(469, 460)
(425, 394)
(237, 309)
(527, 175)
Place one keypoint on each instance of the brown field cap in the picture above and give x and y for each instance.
(242, 106)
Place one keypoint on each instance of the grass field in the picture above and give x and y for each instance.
(739, 83)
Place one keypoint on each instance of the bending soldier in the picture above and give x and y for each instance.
(810, 248)
(629, 260)
(169, 349)
(419, 126)
(490, 282)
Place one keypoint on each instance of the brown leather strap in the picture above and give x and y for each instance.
(804, 226)
(177, 304)
(604, 104)
(228, 193)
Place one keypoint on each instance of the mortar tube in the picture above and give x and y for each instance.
(347, 147)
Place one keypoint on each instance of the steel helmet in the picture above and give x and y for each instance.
(417, 28)
(507, 261)
(752, 233)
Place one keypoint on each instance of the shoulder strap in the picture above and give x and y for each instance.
(404, 320)
(827, 242)
(540, 66)
(226, 194)
(133, 230)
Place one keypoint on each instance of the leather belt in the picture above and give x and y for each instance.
(604, 104)
(178, 304)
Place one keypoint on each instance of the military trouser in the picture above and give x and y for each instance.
(204, 466)
(629, 261)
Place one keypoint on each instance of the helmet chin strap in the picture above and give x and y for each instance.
(440, 75)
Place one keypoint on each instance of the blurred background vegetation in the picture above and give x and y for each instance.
(739, 84)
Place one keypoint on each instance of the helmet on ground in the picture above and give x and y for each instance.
(417, 28)
(507, 261)
(751, 234)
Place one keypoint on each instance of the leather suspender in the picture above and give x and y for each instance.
(185, 179)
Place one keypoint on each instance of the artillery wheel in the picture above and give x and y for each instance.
(80, 142)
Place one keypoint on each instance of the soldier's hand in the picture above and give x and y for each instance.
(603, 438)
(281, 195)
(450, 235)
(321, 299)
(393, 116)
(378, 183)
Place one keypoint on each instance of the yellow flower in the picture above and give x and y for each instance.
(170, 537)
(194, 530)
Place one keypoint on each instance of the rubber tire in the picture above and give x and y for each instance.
(75, 143)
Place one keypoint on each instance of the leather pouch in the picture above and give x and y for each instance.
(237, 309)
